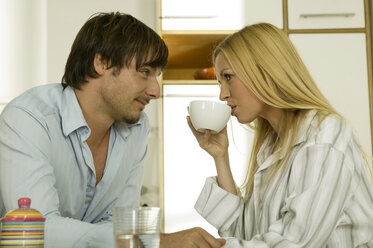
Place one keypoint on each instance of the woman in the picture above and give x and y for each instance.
(307, 182)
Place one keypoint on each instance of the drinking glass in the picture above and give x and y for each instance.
(137, 227)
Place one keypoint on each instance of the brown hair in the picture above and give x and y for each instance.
(117, 38)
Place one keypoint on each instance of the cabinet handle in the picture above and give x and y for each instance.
(188, 17)
(189, 95)
(327, 15)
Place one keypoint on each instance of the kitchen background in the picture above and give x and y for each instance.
(332, 36)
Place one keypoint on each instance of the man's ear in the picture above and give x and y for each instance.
(99, 64)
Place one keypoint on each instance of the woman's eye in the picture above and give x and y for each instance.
(228, 77)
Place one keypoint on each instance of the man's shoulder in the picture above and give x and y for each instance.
(41, 100)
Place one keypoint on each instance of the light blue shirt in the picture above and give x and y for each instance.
(44, 155)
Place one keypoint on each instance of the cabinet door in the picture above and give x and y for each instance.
(306, 14)
(186, 165)
(338, 64)
(219, 14)
(200, 15)
(254, 11)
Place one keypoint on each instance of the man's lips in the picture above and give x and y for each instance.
(142, 102)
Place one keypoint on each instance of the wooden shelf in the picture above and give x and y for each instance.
(179, 73)
(191, 50)
(183, 81)
(198, 32)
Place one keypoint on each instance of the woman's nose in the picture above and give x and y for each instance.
(224, 93)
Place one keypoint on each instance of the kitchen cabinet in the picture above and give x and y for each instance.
(218, 14)
(193, 28)
(189, 52)
(338, 64)
(198, 15)
(326, 14)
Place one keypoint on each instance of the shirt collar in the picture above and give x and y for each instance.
(73, 118)
(306, 127)
(124, 128)
(265, 157)
(71, 113)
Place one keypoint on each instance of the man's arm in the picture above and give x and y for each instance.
(26, 172)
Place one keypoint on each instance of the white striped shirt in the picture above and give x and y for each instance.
(320, 197)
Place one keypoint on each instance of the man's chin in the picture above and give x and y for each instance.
(131, 120)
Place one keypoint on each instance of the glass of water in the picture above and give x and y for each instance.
(137, 227)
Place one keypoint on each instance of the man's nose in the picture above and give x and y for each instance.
(154, 90)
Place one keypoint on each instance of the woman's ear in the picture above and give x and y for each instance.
(99, 64)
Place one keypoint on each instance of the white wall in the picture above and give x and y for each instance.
(36, 36)
(22, 46)
(65, 18)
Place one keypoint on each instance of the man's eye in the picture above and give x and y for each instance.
(145, 72)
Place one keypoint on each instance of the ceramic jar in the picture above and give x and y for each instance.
(23, 227)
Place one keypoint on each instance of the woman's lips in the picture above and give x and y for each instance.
(233, 108)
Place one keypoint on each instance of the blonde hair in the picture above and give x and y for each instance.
(264, 58)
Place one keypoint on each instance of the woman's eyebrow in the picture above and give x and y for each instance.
(222, 71)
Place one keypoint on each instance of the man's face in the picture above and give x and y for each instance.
(126, 93)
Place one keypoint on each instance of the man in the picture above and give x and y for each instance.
(77, 148)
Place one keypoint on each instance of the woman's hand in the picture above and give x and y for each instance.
(214, 144)
(191, 238)
(217, 146)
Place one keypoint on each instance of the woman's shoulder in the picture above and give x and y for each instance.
(331, 129)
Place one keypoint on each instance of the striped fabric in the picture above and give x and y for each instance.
(320, 197)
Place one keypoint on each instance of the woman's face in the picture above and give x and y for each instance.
(246, 107)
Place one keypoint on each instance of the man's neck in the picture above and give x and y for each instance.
(98, 121)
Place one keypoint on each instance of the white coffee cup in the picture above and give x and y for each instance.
(209, 115)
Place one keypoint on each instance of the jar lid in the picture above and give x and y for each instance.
(24, 213)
